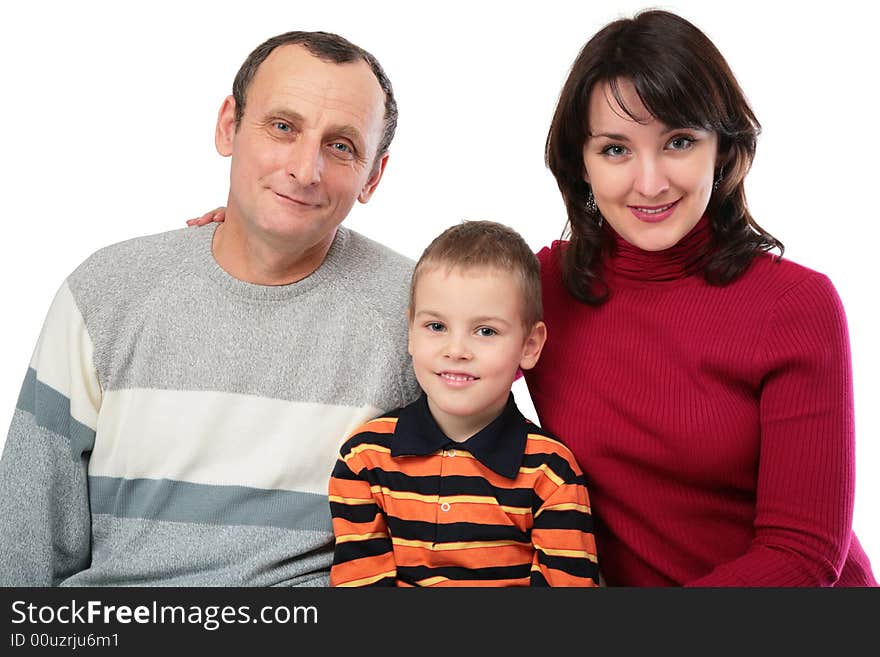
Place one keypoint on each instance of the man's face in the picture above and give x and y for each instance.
(304, 150)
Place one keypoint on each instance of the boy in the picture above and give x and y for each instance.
(458, 488)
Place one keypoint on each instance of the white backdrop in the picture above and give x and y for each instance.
(108, 110)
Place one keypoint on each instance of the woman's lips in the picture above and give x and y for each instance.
(653, 214)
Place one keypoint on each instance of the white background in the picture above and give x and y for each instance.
(108, 110)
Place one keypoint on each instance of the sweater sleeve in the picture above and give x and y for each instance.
(364, 554)
(46, 531)
(806, 464)
(562, 534)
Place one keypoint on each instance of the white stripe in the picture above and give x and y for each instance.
(63, 358)
(221, 438)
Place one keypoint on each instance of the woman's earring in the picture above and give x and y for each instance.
(718, 179)
(593, 209)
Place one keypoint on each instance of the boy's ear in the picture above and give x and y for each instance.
(532, 346)
(409, 338)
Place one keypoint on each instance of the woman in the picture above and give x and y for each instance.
(703, 384)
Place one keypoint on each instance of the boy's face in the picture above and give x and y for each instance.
(467, 340)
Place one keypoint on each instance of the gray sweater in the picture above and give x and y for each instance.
(178, 426)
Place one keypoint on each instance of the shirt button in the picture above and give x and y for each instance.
(451, 452)
(444, 506)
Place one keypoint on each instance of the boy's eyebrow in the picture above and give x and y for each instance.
(484, 319)
(432, 313)
(490, 319)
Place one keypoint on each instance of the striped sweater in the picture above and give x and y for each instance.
(178, 426)
(507, 507)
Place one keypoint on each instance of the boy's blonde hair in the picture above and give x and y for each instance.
(488, 244)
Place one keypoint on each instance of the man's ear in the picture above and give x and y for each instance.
(533, 345)
(373, 181)
(224, 133)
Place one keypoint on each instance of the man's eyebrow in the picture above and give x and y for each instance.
(348, 132)
(287, 115)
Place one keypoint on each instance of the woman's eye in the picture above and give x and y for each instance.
(614, 150)
(681, 143)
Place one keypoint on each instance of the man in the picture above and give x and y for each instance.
(190, 390)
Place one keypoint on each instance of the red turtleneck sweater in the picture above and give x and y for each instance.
(714, 424)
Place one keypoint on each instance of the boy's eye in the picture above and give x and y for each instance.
(486, 332)
(435, 326)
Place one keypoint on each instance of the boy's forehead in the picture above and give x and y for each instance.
(435, 273)
(435, 276)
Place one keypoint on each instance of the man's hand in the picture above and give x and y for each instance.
(217, 214)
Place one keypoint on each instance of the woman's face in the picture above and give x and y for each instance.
(651, 182)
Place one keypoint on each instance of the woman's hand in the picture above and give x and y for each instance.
(217, 214)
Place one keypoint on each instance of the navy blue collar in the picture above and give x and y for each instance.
(500, 445)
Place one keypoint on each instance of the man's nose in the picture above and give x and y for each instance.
(305, 162)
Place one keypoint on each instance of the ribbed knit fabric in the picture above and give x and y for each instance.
(177, 426)
(714, 424)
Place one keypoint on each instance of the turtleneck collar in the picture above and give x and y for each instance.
(681, 260)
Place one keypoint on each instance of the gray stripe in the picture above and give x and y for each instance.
(51, 411)
(180, 501)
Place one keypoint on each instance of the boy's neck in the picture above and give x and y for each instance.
(459, 428)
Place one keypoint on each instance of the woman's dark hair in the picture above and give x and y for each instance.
(683, 81)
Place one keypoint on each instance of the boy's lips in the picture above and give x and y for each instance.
(457, 378)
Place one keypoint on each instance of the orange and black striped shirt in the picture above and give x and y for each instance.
(507, 507)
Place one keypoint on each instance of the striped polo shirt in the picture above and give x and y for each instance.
(506, 507)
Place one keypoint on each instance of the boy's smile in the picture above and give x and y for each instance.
(467, 341)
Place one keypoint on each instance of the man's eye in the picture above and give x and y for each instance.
(486, 332)
(342, 148)
(282, 126)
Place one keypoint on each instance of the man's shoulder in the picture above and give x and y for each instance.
(373, 274)
(138, 256)
(366, 254)
(123, 275)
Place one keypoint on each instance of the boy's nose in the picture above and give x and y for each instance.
(457, 348)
